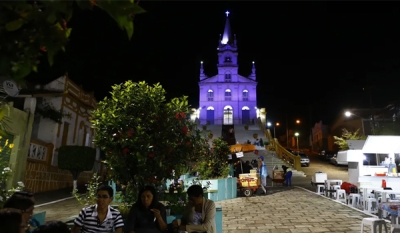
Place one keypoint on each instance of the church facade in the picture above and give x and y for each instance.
(227, 98)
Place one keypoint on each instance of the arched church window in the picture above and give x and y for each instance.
(228, 59)
(210, 95)
(228, 78)
(228, 95)
(245, 95)
(245, 108)
(210, 108)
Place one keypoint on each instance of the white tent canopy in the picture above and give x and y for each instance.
(382, 145)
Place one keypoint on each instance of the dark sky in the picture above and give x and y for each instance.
(311, 56)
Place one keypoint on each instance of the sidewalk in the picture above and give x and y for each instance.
(284, 209)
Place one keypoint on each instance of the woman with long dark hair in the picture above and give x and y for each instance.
(11, 221)
(147, 215)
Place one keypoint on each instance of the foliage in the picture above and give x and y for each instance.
(4, 119)
(126, 198)
(145, 136)
(347, 135)
(176, 202)
(5, 174)
(76, 159)
(213, 163)
(89, 198)
(31, 29)
(206, 186)
(47, 110)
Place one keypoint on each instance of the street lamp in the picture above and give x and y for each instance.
(269, 124)
(349, 114)
(297, 137)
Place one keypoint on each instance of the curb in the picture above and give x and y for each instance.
(53, 202)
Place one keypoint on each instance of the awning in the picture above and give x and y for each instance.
(242, 148)
(382, 145)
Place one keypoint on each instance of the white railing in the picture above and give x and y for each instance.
(37, 152)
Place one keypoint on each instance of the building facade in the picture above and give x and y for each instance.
(74, 128)
(319, 136)
(227, 98)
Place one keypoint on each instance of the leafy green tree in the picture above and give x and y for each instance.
(213, 163)
(347, 135)
(31, 29)
(145, 136)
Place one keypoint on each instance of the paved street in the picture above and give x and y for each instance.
(282, 210)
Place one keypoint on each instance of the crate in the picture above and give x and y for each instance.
(249, 180)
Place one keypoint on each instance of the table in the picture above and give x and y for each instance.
(328, 186)
(393, 208)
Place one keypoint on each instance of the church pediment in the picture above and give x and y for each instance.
(225, 47)
(240, 79)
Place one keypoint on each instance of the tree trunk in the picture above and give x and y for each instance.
(75, 175)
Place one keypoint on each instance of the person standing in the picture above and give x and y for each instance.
(262, 169)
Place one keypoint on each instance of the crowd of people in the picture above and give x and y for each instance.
(147, 215)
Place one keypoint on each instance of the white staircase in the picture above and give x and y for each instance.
(271, 160)
(216, 130)
(242, 135)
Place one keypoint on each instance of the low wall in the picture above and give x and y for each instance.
(40, 177)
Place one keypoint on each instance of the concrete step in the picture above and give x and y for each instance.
(242, 135)
(271, 160)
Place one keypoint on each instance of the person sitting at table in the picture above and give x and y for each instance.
(147, 215)
(199, 215)
(100, 217)
(11, 221)
(176, 184)
(26, 206)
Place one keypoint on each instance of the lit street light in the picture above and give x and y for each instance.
(297, 137)
(349, 114)
(269, 124)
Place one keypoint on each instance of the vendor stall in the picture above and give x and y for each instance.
(375, 165)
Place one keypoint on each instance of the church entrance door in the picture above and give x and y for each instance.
(228, 116)
(245, 116)
(210, 116)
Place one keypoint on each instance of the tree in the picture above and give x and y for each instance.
(31, 29)
(213, 163)
(76, 159)
(347, 135)
(145, 136)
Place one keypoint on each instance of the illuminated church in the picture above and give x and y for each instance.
(227, 98)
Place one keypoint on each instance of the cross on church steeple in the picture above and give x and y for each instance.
(227, 13)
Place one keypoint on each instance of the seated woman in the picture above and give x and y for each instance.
(199, 215)
(11, 221)
(147, 215)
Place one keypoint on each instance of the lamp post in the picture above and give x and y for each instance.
(349, 114)
(269, 124)
(297, 138)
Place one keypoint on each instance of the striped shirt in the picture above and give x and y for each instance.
(89, 222)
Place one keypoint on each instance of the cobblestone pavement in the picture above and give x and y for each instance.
(283, 210)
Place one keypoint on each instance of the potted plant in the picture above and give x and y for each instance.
(246, 127)
(204, 127)
(176, 203)
(210, 135)
(255, 136)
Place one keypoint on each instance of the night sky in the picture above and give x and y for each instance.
(311, 57)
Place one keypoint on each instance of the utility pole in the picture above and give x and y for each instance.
(287, 133)
(372, 110)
